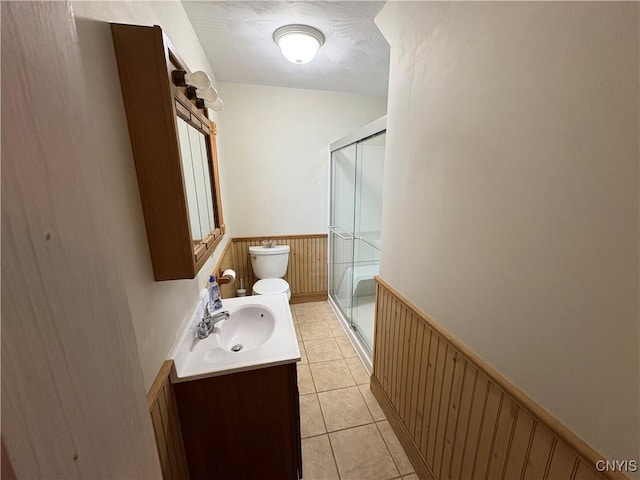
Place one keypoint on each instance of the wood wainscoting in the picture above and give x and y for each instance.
(456, 417)
(226, 261)
(306, 273)
(166, 425)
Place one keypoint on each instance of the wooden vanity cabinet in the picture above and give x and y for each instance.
(155, 108)
(243, 425)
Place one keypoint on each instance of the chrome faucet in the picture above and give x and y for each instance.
(208, 322)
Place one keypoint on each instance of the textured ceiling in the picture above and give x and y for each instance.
(237, 38)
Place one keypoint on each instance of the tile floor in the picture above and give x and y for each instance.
(345, 435)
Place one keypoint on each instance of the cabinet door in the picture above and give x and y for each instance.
(241, 425)
(171, 141)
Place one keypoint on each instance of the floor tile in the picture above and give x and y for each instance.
(317, 459)
(318, 307)
(372, 403)
(395, 448)
(305, 381)
(305, 307)
(326, 308)
(331, 375)
(361, 453)
(303, 355)
(344, 344)
(314, 311)
(344, 408)
(413, 476)
(311, 422)
(297, 329)
(358, 371)
(322, 350)
(315, 331)
(309, 317)
(336, 329)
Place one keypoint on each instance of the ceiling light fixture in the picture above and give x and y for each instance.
(298, 43)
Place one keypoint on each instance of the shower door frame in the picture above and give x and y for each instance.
(374, 128)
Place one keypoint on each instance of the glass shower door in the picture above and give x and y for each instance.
(368, 234)
(343, 190)
(355, 219)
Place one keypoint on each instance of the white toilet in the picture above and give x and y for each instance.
(270, 265)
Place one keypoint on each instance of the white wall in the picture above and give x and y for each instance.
(73, 399)
(158, 308)
(276, 154)
(511, 196)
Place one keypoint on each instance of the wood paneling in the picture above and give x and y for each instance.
(455, 416)
(166, 425)
(226, 261)
(306, 273)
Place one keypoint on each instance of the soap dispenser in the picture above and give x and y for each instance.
(215, 300)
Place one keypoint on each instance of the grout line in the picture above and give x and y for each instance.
(318, 339)
(324, 361)
(311, 375)
(333, 454)
(341, 429)
(339, 388)
(324, 422)
(367, 405)
(388, 449)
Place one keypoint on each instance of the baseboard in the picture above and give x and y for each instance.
(308, 297)
(419, 464)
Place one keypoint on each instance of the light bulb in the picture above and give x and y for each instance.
(216, 105)
(210, 94)
(198, 79)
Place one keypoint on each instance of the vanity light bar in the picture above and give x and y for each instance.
(197, 79)
(204, 96)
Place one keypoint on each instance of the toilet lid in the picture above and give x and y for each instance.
(270, 286)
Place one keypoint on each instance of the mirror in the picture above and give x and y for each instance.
(197, 179)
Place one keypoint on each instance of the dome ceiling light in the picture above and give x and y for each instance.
(298, 43)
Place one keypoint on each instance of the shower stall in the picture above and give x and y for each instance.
(357, 167)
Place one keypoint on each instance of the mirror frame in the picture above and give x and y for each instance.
(186, 109)
(145, 59)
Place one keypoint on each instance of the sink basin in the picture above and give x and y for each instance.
(258, 333)
(248, 327)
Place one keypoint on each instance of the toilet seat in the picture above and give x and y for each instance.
(271, 286)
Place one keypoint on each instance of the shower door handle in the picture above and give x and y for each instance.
(343, 237)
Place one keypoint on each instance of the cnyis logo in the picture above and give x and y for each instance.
(617, 466)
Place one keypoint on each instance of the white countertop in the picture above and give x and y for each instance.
(201, 358)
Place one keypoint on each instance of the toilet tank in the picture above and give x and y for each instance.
(269, 262)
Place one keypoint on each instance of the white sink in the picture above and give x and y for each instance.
(247, 328)
(258, 333)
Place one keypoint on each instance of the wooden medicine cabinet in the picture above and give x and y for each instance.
(175, 154)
